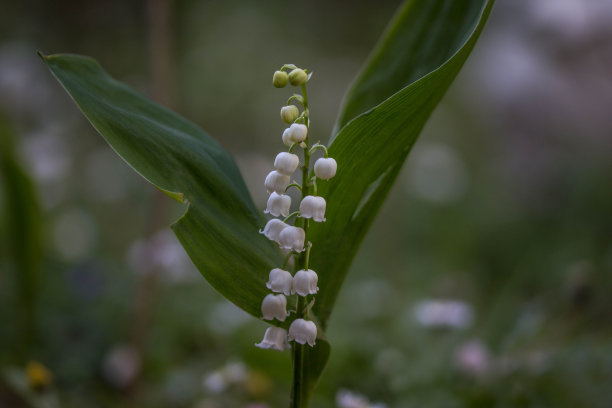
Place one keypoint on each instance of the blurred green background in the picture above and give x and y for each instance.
(484, 282)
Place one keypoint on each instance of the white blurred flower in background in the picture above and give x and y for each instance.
(473, 358)
(350, 399)
(222, 378)
(164, 252)
(121, 365)
(438, 313)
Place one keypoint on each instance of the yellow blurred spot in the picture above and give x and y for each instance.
(257, 384)
(39, 377)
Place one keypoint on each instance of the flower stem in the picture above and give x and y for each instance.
(298, 395)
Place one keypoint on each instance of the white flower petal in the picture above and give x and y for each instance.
(325, 168)
(280, 281)
(278, 204)
(292, 238)
(273, 229)
(274, 307)
(303, 331)
(298, 132)
(276, 181)
(313, 207)
(286, 163)
(305, 283)
(275, 338)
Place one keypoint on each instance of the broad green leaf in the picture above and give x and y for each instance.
(419, 56)
(219, 229)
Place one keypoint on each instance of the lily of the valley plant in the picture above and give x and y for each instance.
(288, 270)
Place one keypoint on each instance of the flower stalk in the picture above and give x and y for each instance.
(302, 284)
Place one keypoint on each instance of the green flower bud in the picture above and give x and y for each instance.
(280, 79)
(298, 77)
(289, 113)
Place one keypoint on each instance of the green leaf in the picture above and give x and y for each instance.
(416, 61)
(220, 228)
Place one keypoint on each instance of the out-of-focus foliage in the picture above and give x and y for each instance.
(503, 206)
(20, 247)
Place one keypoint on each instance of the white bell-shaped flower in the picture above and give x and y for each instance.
(274, 307)
(280, 281)
(273, 229)
(286, 163)
(305, 283)
(292, 238)
(325, 168)
(287, 137)
(276, 181)
(298, 133)
(303, 331)
(275, 338)
(313, 207)
(278, 204)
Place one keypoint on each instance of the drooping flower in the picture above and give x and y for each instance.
(275, 338)
(273, 229)
(305, 283)
(325, 168)
(274, 307)
(278, 204)
(287, 137)
(292, 238)
(280, 281)
(313, 207)
(303, 331)
(286, 163)
(297, 133)
(276, 181)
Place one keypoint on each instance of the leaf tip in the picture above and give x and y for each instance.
(41, 55)
(180, 197)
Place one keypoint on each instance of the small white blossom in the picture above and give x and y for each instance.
(298, 133)
(286, 163)
(280, 281)
(278, 204)
(305, 283)
(292, 238)
(276, 181)
(313, 207)
(287, 137)
(275, 338)
(274, 307)
(273, 229)
(303, 331)
(325, 168)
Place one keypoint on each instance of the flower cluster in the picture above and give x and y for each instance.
(293, 238)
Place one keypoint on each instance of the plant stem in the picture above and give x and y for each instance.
(298, 394)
